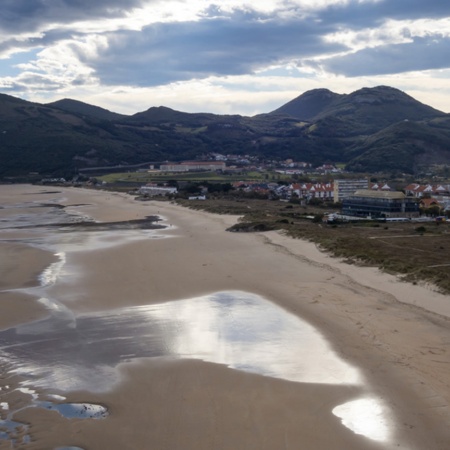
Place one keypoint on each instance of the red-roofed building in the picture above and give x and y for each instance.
(427, 202)
(323, 191)
(420, 190)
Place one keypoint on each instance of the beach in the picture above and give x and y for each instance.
(193, 337)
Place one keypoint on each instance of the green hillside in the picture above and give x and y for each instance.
(374, 129)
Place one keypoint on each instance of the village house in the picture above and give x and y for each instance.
(323, 191)
(380, 187)
(428, 190)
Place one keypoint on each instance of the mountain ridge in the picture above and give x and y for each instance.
(362, 129)
(77, 107)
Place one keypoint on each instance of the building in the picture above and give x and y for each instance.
(324, 191)
(420, 190)
(193, 166)
(152, 190)
(345, 188)
(380, 204)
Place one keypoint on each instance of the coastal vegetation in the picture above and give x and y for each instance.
(161, 177)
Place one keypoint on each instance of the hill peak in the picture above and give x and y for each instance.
(85, 109)
(309, 104)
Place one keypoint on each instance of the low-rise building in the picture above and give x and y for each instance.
(192, 166)
(380, 204)
(152, 190)
(423, 190)
(324, 191)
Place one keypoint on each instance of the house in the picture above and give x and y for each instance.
(380, 187)
(420, 190)
(428, 202)
(324, 191)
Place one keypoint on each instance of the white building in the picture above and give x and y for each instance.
(192, 166)
(157, 190)
(344, 188)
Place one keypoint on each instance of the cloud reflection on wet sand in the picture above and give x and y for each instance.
(241, 330)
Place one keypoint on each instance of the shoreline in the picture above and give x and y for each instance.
(370, 319)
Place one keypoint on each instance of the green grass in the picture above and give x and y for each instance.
(157, 177)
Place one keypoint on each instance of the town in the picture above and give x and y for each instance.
(298, 182)
(350, 196)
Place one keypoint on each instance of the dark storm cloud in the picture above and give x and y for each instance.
(421, 54)
(30, 15)
(173, 52)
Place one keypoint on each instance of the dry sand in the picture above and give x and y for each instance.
(398, 334)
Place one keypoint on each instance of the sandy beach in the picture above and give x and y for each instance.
(391, 337)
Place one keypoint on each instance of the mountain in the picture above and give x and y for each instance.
(162, 114)
(308, 105)
(372, 129)
(366, 110)
(406, 146)
(84, 109)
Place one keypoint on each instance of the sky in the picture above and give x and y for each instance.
(228, 57)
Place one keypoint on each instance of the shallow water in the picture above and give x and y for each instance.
(76, 410)
(17, 433)
(242, 330)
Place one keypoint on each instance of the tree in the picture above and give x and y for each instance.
(433, 210)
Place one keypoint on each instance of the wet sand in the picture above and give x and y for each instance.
(396, 334)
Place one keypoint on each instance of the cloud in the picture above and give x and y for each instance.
(422, 53)
(29, 15)
(243, 43)
(357, 15)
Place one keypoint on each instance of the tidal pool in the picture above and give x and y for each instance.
(17, 433)
(241, 330)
